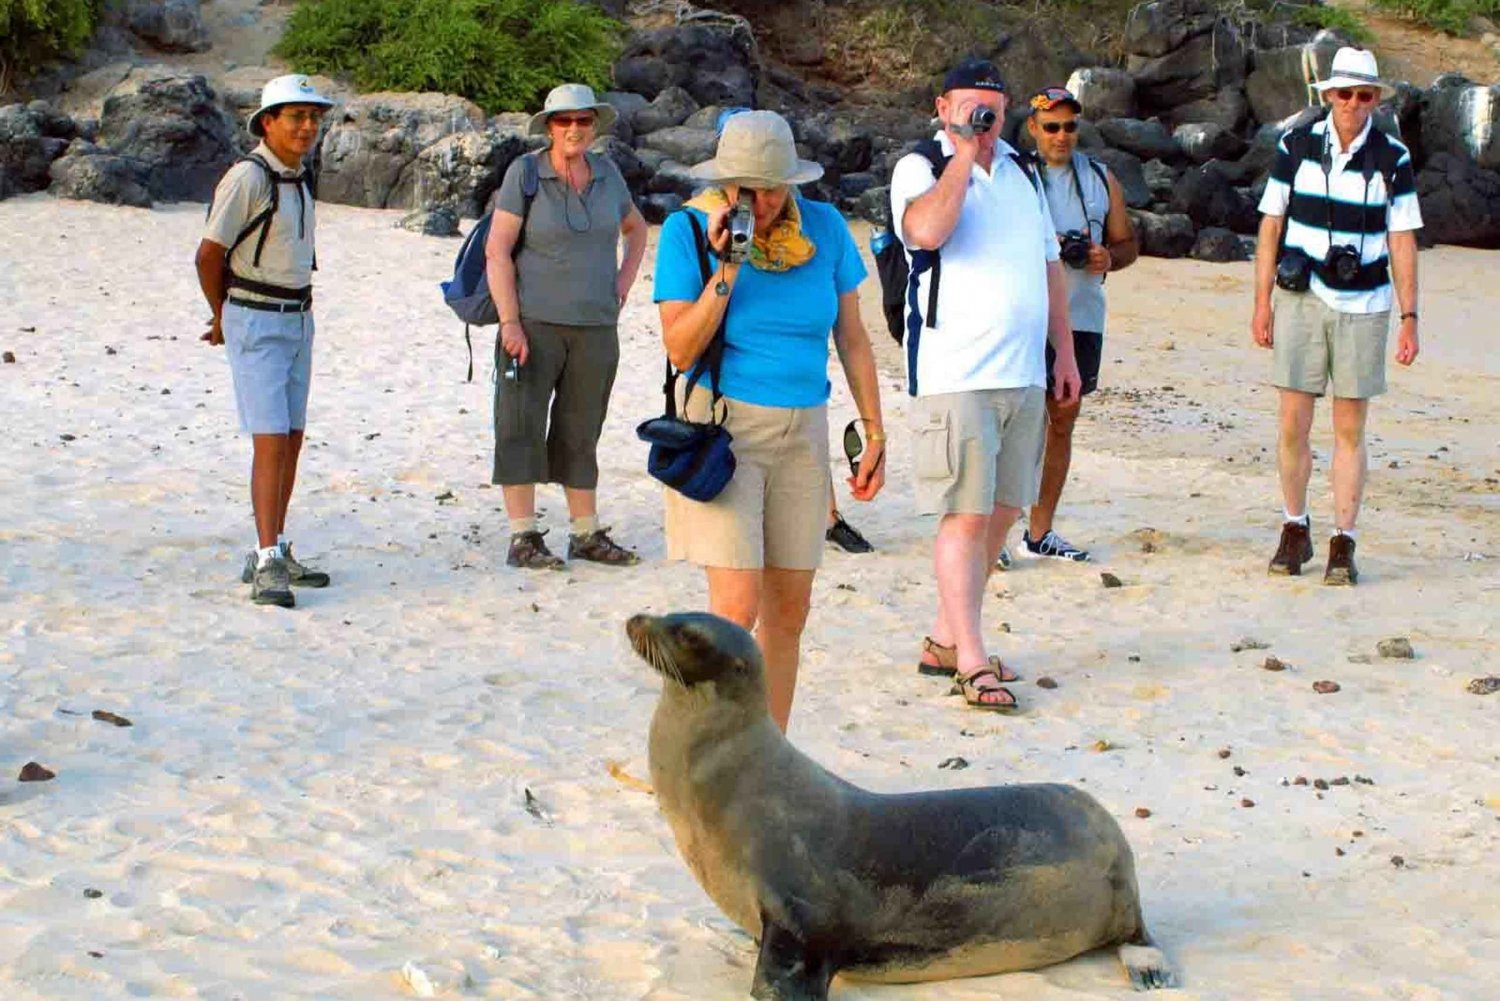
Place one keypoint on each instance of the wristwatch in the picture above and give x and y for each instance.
(1409, 314)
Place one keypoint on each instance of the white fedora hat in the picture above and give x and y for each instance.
(1354, 68)
(571, 97)
(757, 148)
(294, 88)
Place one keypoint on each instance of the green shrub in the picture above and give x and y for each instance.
(32, 32)
(502, 54)
(1451, 16)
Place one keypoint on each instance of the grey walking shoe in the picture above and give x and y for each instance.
(301, 576)
(271, 584)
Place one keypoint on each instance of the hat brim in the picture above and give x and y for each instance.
(711, 170)
(605, 117)
(254, 126)
(1338, 80)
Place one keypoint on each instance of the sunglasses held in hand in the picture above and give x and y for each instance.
(854, 447)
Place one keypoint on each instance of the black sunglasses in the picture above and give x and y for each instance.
(854, 447)
(1052, 128)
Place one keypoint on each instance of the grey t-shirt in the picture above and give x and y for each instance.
(1086, 305)
(569, 259)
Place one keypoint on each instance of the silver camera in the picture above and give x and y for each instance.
(741, 229)
(981, 120)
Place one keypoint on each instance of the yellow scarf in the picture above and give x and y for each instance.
(784, 248)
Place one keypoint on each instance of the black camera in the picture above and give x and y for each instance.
(1341, 266)
(1075, 249)
(1294, 270)
(981, 119)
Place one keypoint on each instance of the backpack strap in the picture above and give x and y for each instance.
(932, 151)
(531, 182)
(262, 219)
(712, 360)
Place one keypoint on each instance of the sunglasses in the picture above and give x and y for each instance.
(854, 447)
(1349, 94)
(568, 120)
(1053, 128)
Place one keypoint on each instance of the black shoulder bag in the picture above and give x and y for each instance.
(692, 458)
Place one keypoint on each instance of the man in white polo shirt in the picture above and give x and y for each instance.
(255, 266)
(986, 296)
(1340, 221)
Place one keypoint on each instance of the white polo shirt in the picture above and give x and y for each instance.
(992, 298)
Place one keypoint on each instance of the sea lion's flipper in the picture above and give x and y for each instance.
(1148, 966)
(788, 969)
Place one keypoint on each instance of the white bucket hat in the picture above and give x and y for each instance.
(571, 97)
(757, 148)
(293, 88)
(1354, 68)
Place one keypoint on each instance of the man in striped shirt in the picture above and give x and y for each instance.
(1338, 232)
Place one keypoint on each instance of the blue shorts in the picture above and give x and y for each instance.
(270, 358)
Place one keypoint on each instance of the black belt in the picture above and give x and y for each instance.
(273, 307)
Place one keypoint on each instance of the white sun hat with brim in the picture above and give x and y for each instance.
(294, 88)
(756, 148)
(1354, 68)
(571, 97)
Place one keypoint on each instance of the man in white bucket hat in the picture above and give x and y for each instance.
(1337, 238)
(255, 266)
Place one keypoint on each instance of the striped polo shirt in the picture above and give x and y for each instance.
(1342, 203)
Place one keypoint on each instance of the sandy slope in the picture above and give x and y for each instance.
(308, 801)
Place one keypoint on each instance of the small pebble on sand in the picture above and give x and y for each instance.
(1224, 752)
(1395, 648)
(1247, 803)
(33, 772)
(1110, 580)
(1142, 812)
(1248, 643)
(1325, 687)
(1046, 682)
(9, 357)
(1274, 664)
(1484, 686)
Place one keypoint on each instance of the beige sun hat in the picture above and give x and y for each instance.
(293, 88)
(571, 97)
(1354, 68)
(757, 148)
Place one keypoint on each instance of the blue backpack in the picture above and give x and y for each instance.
(467, 293)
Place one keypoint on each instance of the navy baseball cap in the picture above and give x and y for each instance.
(974, 74)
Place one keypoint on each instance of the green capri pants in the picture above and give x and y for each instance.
(549, 417)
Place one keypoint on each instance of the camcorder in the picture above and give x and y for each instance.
(981, 120)
(741, 225)
(1075, 249)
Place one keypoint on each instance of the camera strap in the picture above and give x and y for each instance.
(1326, 162)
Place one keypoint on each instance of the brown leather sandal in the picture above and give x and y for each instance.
(947, 663)
(974, 693)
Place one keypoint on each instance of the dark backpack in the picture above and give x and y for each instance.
(467, 293)
(306, 186)
(898, 278)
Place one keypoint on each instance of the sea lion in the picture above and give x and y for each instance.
(832, 879)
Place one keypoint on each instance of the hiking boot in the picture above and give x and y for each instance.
(1054, 546)
(1341, 569)
(847, 537)
(302, 576)
(271, 584)
(1295, 549)
(527, 550)
(598, 547)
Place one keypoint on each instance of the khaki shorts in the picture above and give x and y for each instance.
(774, 510)
(978, 450)
(1312, 343)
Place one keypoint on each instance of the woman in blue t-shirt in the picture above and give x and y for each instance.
(761, 540)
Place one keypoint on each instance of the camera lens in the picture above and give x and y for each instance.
(982, 119)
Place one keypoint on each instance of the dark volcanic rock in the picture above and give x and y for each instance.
(88, 173)
(169, 25)
(714, 66)
(1163, 235)
(1104, 92)
(175, 126)
(369, 153)
(1129, 172)
(31, 137)
(671, 107)
(1463, 119)
(1146, 139)
(1460, 202)
(1205, 141)
(1209, 199)
(463, 170)
(1216, 244)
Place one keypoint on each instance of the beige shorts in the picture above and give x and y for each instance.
(978, 450)
(774, 511)
(1312, 343)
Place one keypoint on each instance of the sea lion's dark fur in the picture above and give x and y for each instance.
(834, 879)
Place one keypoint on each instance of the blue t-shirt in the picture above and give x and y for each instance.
(778, 324)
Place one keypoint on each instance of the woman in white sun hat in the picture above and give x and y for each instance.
(559, 280)
(760, 541)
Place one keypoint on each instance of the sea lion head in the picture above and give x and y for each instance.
(696, 651)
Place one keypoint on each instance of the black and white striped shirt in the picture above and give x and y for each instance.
(1349, 203)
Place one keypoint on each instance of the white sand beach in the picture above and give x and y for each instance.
(311, 802)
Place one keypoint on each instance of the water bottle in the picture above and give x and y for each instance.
(879, 240)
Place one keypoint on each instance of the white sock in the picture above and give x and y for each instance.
(268, 553)
(584, 526)
(1344, 531)
(519, 525)
(1300, 519)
